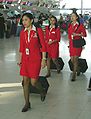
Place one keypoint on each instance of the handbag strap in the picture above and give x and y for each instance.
(77, 27)
(38, 37)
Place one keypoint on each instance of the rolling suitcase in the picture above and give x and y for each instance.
(82, 64)
(89, 86)
(44, 83)
(61, 63)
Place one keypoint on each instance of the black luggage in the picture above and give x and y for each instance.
(61, 63)
(89, 86)
(44, 83)
(82, 64)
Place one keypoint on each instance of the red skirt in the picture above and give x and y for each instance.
(74, 51)
(53, 50)
(30, 68)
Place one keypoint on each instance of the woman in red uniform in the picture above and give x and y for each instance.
(30, 57)
(52, 42)
(75, 31)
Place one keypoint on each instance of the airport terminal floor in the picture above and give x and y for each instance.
(65, 99)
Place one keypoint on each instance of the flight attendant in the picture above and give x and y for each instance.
(30, 60)
(75, 31)
(52, 43)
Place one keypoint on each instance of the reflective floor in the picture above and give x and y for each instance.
(65, 99)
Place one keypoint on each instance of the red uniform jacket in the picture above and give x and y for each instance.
(72, 29)
(54, 34)
(34, 44)
(31, 64)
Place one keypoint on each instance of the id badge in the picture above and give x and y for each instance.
(50, 40)
(27, 51)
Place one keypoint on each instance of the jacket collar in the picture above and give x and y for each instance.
(33, 28)
(75, 23)
(52, 26)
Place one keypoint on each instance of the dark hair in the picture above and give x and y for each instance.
(29, 15)
(78, 19)
(56, 24)
(81, 15)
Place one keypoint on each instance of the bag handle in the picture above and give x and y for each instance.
(77, 27)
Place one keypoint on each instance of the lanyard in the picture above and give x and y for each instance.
(50, 30)
(27, 39)
(75, 27)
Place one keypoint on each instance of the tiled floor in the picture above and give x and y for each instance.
(65, 99)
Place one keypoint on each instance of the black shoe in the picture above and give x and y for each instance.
(26, 108)
(73, 79)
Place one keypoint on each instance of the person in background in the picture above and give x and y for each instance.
(19, 25)
(2, 26)
(8, 28)
(90, 22)
(30, 60)
(75, 31)
(81, 19)
(52, 36)
(60, 22)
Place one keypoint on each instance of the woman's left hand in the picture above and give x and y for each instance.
(50, 42)
(76, 34)
(43, 63)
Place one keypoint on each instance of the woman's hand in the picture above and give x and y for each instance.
(19, 64)
(50, 42)
(19, 60)
(43, 63)
(76, 34)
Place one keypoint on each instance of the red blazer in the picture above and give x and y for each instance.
(54, 34)
(33, 45)
(72, 29)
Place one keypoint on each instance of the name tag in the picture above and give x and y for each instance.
(50, 40)
(53, 32)
(27, 51)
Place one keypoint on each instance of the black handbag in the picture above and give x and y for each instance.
(77, 43)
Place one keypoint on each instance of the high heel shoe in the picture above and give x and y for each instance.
(73, 79)
(26, 108)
